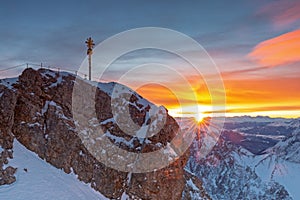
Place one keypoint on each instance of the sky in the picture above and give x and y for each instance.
(255, 45)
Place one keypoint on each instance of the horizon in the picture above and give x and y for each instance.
(256, 49)
(175, 115)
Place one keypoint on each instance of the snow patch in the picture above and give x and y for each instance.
(125, 196)
(192, 185)
(8, 82)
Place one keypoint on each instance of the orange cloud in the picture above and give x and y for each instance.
(267, 108)
(280, 50)
(275, 91)
(273, 96)
(159, 95)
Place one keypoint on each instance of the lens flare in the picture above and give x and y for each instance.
(199, 117)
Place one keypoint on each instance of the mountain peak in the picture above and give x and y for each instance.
(37, 107)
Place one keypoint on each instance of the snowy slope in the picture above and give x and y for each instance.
(43, 181)
(281, 163)
(284, 172)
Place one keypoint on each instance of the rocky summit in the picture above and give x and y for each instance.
(36, 110)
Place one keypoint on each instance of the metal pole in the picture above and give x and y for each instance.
(90, 67)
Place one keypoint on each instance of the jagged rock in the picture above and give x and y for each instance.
(194, 189)
(7, 176)
(8, 100)
(42, 120)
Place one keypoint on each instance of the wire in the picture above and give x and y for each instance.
(10, 68)
(36, 65)
(42, 66)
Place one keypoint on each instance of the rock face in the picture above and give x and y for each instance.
(37, 111)
(8, 98)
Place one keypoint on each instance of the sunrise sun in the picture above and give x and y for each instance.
(199, 117)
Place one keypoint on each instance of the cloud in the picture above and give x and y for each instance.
(274, 91)
(284, 49)
(247, 110)
(282, 13)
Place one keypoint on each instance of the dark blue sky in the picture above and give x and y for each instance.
(255, 40)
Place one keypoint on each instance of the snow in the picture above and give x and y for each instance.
(168, 150)
(252, 119)
(290, 178)
(8, 82)
(129, 176)
(282, 164)
(284, 172)
(106, 87)
(48, 73)
(58, 81)
(119, 140)
(34, 124)
(275, 137)
(45, 108)
(192, 185)
(43, 181)
(279, 123)
(1, 94)
(58, 112)
(52, 103)
(110, 120)
(124, 196)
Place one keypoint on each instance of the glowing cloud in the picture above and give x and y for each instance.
(283, 49)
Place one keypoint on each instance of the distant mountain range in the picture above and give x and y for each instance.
(256, 134)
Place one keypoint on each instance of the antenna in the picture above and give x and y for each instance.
(90, 45)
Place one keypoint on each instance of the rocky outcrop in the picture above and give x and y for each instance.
(40, 116)
(8, 100)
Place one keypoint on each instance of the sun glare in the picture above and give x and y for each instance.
(196, 111)
(199, 117)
